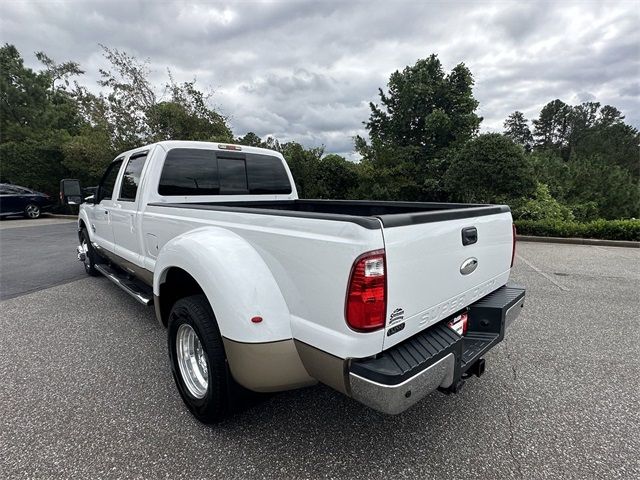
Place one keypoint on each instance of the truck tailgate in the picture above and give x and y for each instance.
(431, 274)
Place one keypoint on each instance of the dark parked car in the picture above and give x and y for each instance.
(15, 200)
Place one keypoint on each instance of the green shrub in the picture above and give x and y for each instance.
(601, 229)
(541, 206)
(585, 212)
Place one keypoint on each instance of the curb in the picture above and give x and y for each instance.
(579, 241)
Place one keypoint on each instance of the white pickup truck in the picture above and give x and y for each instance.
(382, 301)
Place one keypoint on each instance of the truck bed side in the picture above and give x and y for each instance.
(309, 258)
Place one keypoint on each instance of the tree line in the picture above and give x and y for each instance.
(573, 162)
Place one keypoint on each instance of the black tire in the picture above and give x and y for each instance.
(32, 211)
(196, 312)
(92, 257)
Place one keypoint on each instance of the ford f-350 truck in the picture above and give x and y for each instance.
(382, 301)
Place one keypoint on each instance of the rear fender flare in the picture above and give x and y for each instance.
(235, 279)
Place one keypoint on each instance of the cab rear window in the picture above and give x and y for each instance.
(188, 171)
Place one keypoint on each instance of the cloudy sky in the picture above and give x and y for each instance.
(306, 70)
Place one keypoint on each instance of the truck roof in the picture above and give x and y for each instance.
(169, 144)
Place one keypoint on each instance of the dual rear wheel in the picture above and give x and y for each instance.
(198, 361)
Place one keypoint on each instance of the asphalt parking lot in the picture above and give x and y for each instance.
(87, 393)
(36, 254)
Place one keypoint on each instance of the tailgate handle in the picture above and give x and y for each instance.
(469, 235)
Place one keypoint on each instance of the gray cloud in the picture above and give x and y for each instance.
(307, 70)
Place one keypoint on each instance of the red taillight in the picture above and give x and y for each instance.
(513, 245)
(366, 304)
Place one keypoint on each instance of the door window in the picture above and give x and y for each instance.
(11, 190)
(131, 178)
(108, 182)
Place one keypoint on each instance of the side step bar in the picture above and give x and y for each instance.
(141, 292)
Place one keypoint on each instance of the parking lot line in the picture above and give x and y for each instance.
(540, 272)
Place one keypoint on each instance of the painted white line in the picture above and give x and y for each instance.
(548, 277)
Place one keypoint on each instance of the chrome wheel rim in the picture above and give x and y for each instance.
(85, 250)
(192, 361)
(33, 211)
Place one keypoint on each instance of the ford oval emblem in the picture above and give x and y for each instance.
(468, 266)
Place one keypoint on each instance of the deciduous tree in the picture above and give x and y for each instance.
(490, 168)
(424, 115)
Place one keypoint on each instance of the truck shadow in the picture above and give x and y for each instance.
(319, 432)
(320, 424)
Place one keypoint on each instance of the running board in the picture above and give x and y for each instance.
(141, 292)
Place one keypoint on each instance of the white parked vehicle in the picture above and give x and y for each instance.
(382, 301)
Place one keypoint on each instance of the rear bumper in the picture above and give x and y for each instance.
(434, 358)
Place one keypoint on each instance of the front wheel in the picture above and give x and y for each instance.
(87, 254)
(198, 360)
(32, 211)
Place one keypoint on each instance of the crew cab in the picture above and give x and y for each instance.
(260, 290)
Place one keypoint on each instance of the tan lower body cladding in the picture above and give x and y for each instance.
(283, 365)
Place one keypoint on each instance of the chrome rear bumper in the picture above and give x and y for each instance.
(434, 358)
(394, 399)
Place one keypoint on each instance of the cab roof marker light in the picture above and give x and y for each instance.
(223, 146)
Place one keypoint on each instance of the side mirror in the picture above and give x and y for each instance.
(90, 194)
(70, 192)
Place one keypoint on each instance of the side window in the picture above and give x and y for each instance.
(9, 190)
(266, 174)
(233, 176)
(188, 171)
(131, 178)
(108, 182)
